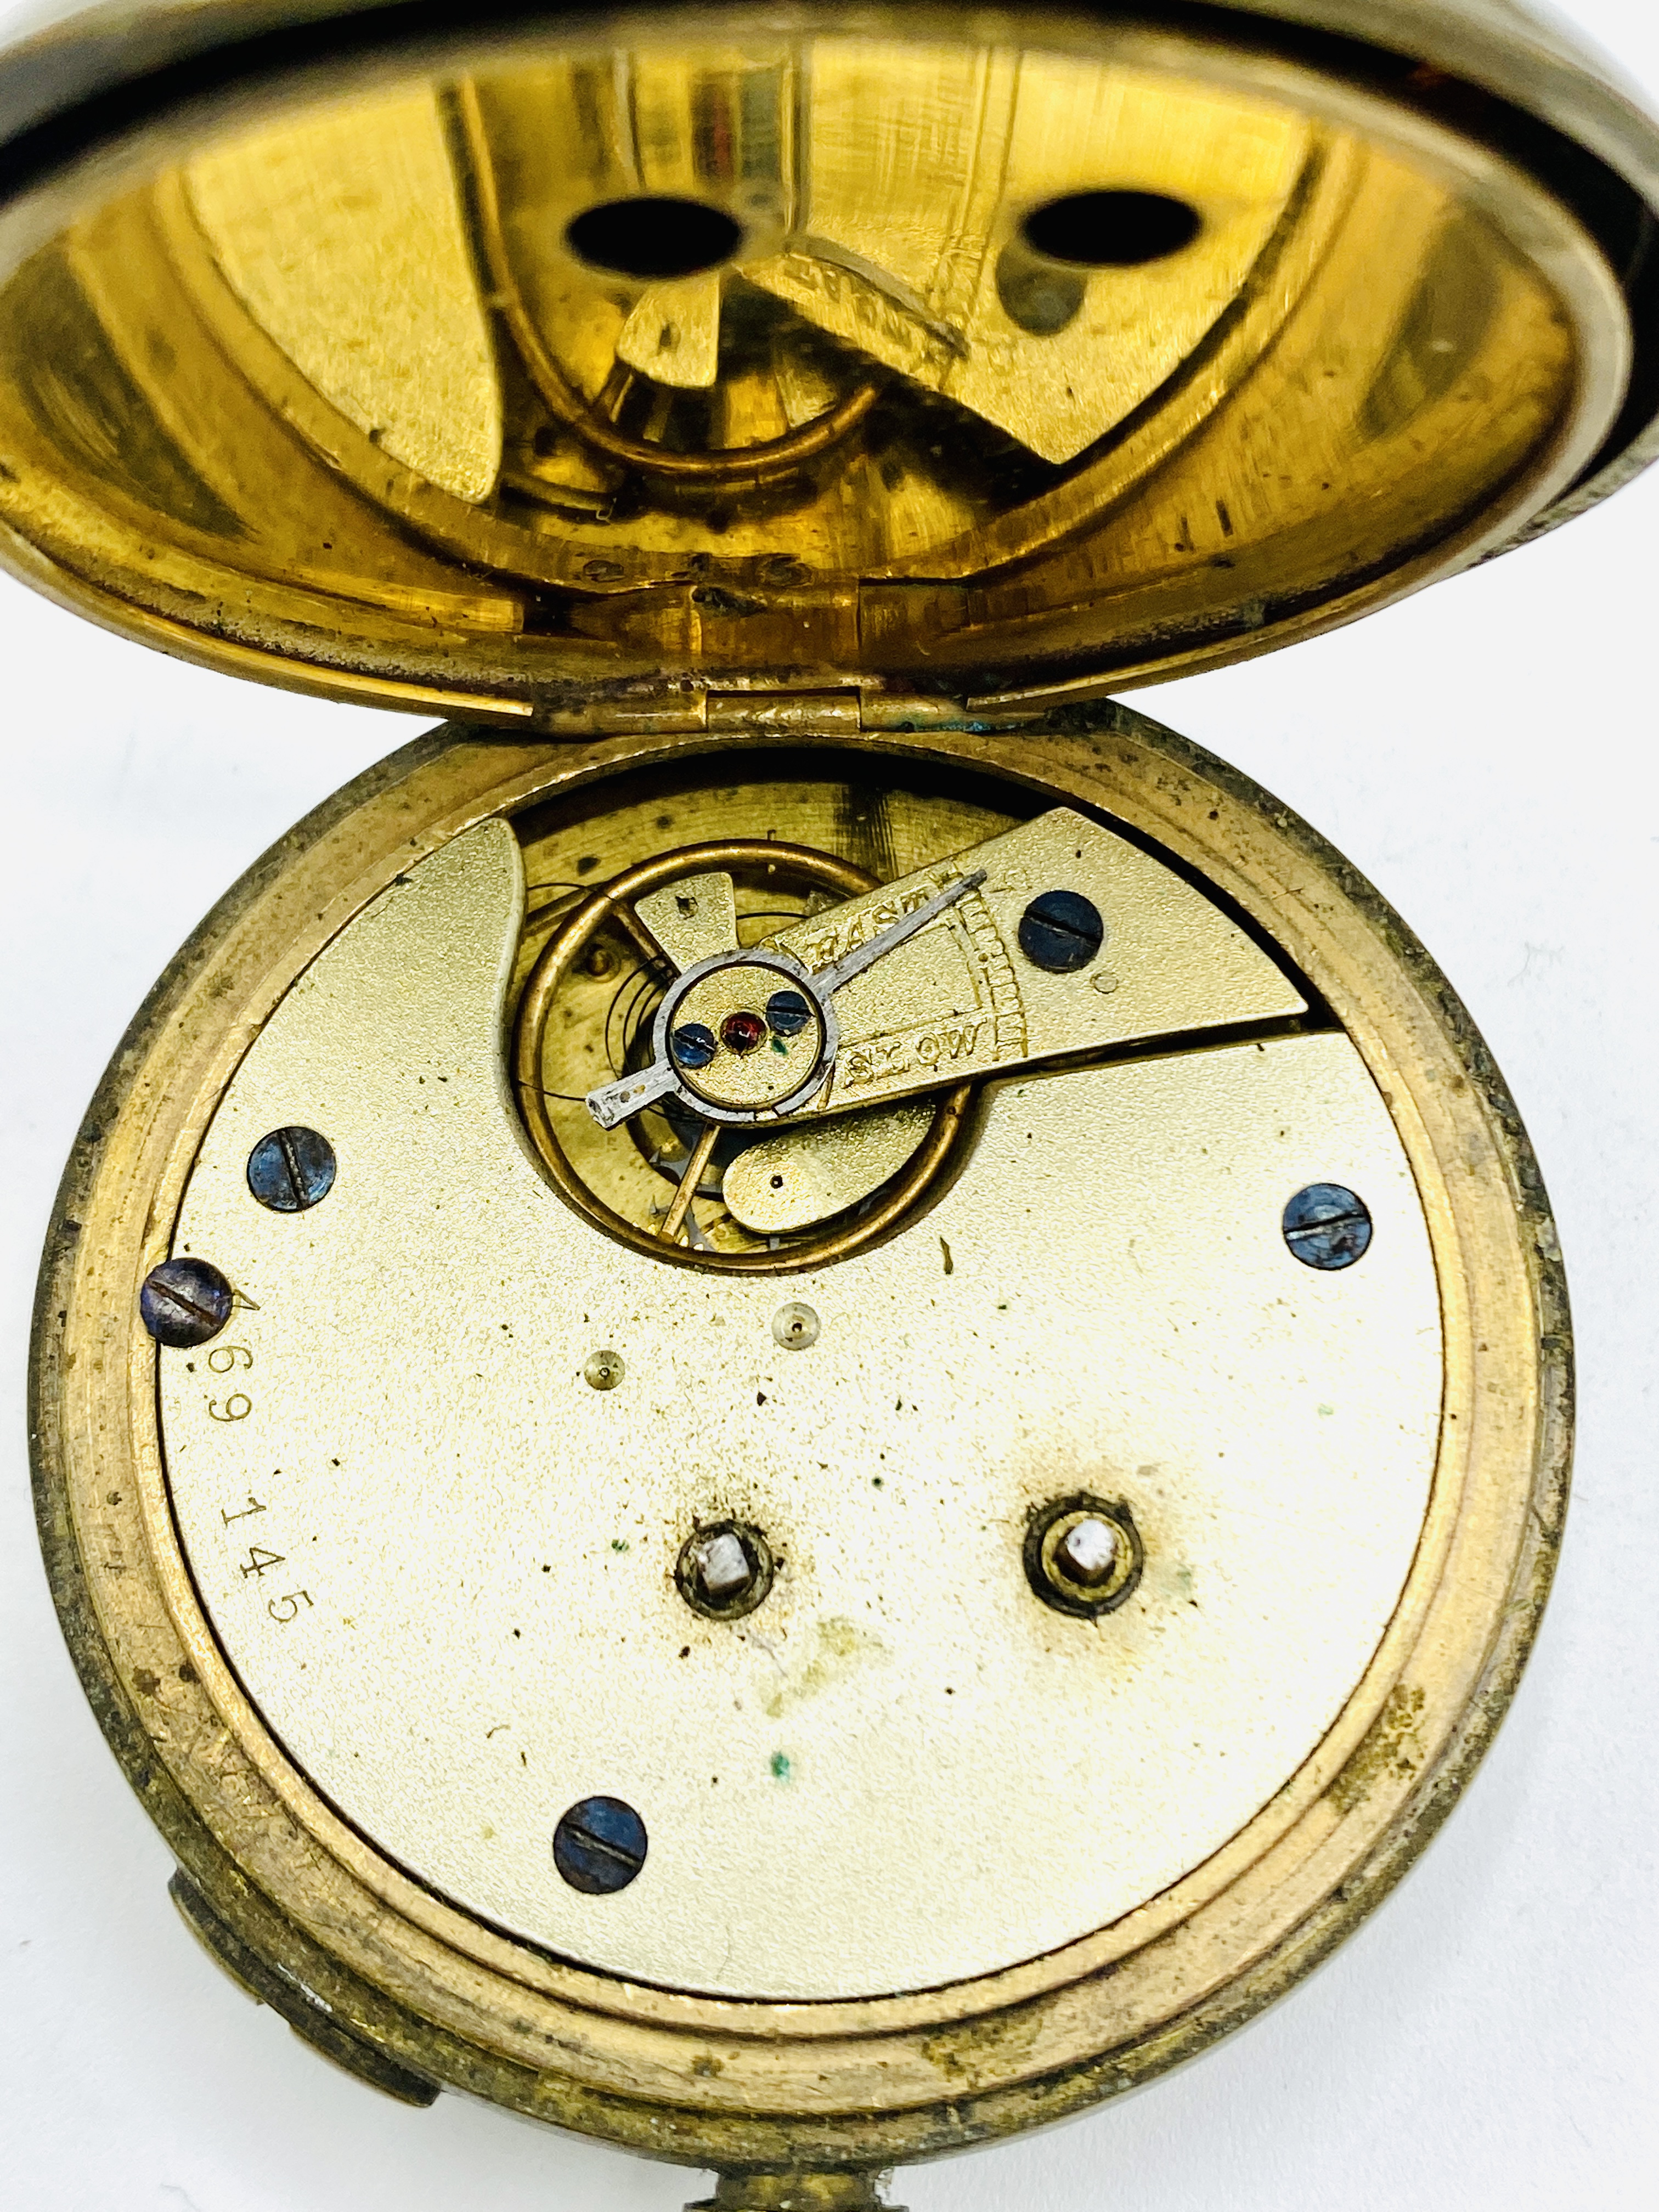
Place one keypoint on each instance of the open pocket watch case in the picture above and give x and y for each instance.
(798, 1228)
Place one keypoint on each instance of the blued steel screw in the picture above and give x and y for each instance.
(599, 1845)
(787, 1012)
(1061, 932)
(185, 1302)
(692, 1045)
(291, 1169)
(1327, 1226)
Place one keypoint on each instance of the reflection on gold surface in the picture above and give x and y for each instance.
(344, 239)
(991, 133)
(937, 365)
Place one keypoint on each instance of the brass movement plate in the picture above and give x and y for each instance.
(359, 1770)
(948, 355)
(1122, 1314)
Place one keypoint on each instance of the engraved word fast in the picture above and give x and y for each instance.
(825, 951)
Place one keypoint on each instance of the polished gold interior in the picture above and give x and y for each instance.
(938, 364)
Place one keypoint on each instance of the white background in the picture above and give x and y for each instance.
(1486, 753)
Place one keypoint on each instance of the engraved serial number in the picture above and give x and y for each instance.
(260, 1560)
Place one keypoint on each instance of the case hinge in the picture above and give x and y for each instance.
(849, 709)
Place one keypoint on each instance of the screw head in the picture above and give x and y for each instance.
(1327, 1226)
(795, 1326)
(1061, 932)
(599, 1845)
(787, 1012)
(692, 1045)
(185, 1302)
(291, 1169)
(725, 1569)
(1082, 1554)
(603, 1371)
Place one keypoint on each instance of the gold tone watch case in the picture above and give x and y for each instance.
(276, 392)
(417, 1994)
(183, 458)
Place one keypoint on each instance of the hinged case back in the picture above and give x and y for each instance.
(956, 364)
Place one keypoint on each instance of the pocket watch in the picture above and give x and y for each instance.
(801, 1399)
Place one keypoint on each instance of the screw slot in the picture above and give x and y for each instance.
(787, 1012)
(291, 1169)
(1327, 1226)
(1061, 932)
(599, 1845)
(692, 1045)
(185, 1302)
(1082, 1554)
(725, 1569)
